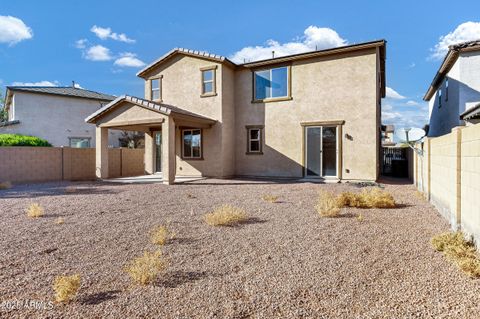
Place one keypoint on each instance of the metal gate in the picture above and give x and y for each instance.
(394, 162)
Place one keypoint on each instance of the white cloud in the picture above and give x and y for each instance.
(129, 59)
(412, 103)
(105, 33)
(81, 44)
(466, 31)
(98, 53)
(411, 65)
(314, 38)
(13, 30)
(392, 94)
(40, 83)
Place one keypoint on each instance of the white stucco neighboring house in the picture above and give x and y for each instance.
(454, 94)
(55, 114)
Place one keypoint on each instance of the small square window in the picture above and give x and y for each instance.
(254, 143)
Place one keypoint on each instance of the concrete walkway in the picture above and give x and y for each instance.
(151, 179)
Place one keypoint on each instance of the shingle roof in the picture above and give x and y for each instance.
(472, 113)
(65, 91)
(159, 107)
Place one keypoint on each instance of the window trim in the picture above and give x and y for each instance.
(160, 85)
(70, 138)
(191, 158)
(254, 127)
(273, 99)
(212, 68)
(439, 98)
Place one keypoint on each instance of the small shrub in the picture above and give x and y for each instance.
(5, 185)
(35, 211)
(66, 287)
(327, 205)
(160, 235)
(22, 140)
(459, 251)
(145, 269)
(270, 198)
(59, 221)
(226, 215)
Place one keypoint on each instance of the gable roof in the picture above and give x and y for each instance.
(447, 64)
(381, 44)
(199, 54)
(64, 91)
(165, 109)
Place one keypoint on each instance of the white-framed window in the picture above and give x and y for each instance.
(209, 81)
(271, 83)
(79, 142)
(192, 143)
(440, 98)
(254, 139)
(155, 87)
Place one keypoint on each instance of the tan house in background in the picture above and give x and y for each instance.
(312, 115)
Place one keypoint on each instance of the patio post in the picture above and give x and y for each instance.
(149, 153)
(101, 152)
(168, 151)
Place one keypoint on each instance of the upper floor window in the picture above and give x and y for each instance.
(272, 83)
(79, 142)
(192, 144)
(155, 89)
(446, 90)
(209, 81)
(440, 98)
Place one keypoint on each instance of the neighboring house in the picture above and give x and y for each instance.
(55, 113)
(314, 115)
(387, 135)
(454, 94)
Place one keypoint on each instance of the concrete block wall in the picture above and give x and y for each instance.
(41, 164)
(448, 173)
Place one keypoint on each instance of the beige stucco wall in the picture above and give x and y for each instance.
(181, 87)
(323, 89)
(38, 164)
(54, 118)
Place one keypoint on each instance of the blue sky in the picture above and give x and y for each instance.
(101, 45)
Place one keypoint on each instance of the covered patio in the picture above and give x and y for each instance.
(158, 121)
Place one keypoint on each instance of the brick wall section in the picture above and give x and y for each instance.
(39, 164)
(451, 177)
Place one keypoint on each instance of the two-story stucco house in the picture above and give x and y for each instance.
(55, 114)
(312, 115)
(454, 94)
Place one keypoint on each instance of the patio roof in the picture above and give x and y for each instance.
(161, 108)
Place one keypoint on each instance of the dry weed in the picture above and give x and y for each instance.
(458, 250)
(59, 221)
(145, 269)
(35, 211)
(226, 215)
(367, 198)
(160, 235)
(270, 198)
(66, 287)
(327, 205)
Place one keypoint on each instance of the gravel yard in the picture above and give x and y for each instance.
(285, 262)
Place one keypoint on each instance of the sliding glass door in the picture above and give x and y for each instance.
(321, 151)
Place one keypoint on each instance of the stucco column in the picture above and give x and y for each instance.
(149, 153)
(101, 152)
(168, 151)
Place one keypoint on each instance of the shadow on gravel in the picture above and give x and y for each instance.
(98, 298)
(39, 191)
(177, 278)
